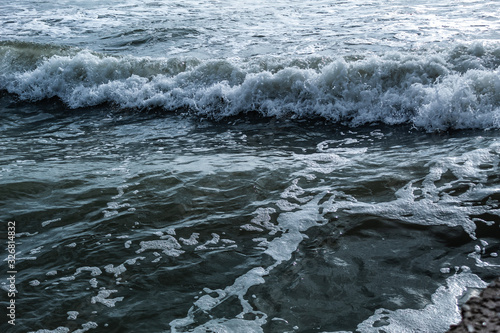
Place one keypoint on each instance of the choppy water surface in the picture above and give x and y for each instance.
(142, 222)
(247, 166)
(222, 29)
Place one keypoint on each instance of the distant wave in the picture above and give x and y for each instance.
(451, 89)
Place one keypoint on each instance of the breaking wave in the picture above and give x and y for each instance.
(436, 90)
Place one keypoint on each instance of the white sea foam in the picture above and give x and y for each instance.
(426, 201)
(262, 220)
(230, 326)
(458, 89)
(214, 241)
(103, 298)
(34, 283)
(431, 199)
(292, 225)
(192, 240)
(435, 317)
(37, 250)
(72, 315)
(207, 302)
(57, 330)
(117, 270)
(94, 271)
(46, 223)
(93, 282)
(305, 60)
(170, 246)
(86, 327)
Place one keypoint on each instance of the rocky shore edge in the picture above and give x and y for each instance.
(481, 314)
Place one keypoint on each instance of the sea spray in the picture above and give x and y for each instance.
(433, 92)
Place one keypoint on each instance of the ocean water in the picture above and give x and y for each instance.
(246, 166)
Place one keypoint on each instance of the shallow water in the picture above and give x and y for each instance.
(137, 220)
(248, 167)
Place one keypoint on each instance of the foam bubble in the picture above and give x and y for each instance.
(170, 246)
(34, 283)
(230, 326)
(239, 288)
(57, 330)
(93, 282)
(115, 270)
(215, 240)
(94, 271)
(103, 298)
(262, 220)
(86, 327)
(72, 315)
(286, 206)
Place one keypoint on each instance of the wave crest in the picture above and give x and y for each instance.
(455, 89)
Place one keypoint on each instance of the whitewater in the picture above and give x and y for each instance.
(459, 90)
(215, 166)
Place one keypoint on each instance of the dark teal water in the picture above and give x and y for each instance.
(149, 221)
(206, 166)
